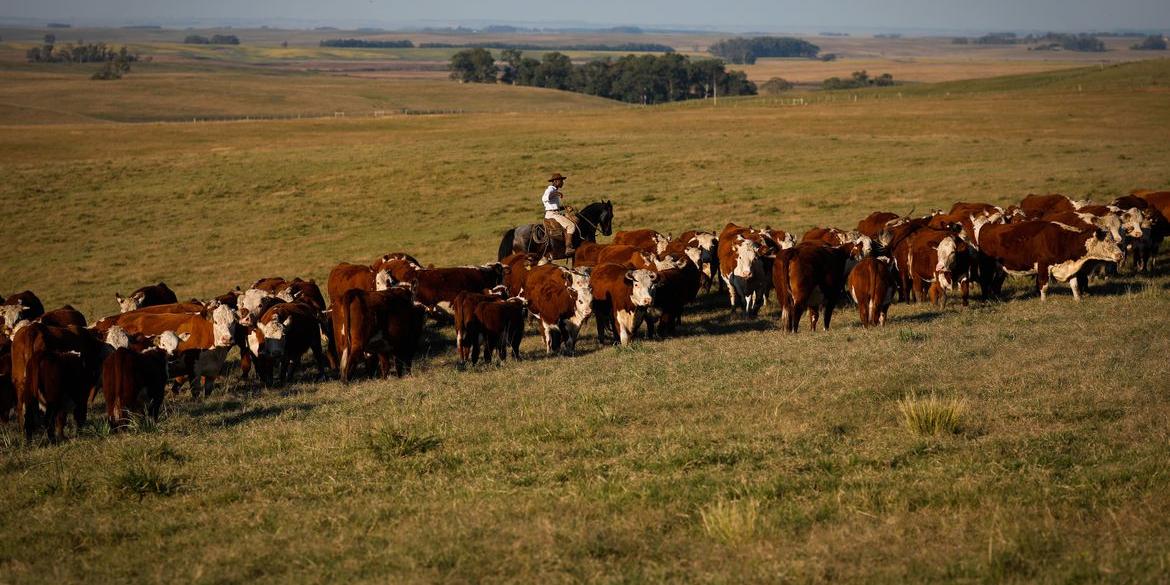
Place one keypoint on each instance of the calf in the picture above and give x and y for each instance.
(147, 296)
(872, 284)
(646, 240)
(938, 257)
(40, 337)
(501, 325)
(620, 299)
(135, 375)
(467, 324)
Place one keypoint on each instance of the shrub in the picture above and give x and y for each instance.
(775, 85)
(731, 521)
(932, 416)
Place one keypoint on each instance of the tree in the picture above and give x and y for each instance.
(511, 69)
(776, 85)
(473, 66)
(50, 39)
(1151, 43)
(555, 71)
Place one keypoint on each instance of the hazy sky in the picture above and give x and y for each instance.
(740, 14)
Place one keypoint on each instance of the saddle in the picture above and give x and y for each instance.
(554, 230)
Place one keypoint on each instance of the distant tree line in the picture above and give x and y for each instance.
(365, 44)
(49, 52)
(1047, 41)
(740, 50)
(857, 80)
(212, 40)
(641, 79)
(626, 47)
(1151, 43)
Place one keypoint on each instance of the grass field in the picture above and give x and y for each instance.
(734, 453)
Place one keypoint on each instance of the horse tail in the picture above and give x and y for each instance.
(506, 244)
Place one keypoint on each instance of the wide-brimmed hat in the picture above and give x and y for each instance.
(557, 177)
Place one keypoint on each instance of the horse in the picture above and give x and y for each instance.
(532, 239)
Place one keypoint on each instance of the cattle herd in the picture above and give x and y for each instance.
(55, 362)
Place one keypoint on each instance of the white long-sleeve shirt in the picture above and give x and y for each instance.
(551, 200)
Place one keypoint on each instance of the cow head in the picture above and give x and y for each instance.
(671, 262)
(660, 243)
(11, 315)
(267, 339)
(223, 326)
(1110, 223)
(497, 272)
(1135, 222)
(383, 280)
(252, 301)
(169, 341)
(947, 250)
(583, 288)
(116, 337)
(1101, 247)
(130, 303)
(745, 257)
(642, 283)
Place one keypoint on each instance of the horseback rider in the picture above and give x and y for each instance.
(554, 209)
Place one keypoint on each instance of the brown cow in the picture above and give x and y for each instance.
(586, 254)
(516, 276)
(742, 252)
(63, 317)
(626, 255)
(212, 335)
(877, 222)
(346, 276)
(1045, 249)
(270, 284)
(38, 337)
(703, 249)
(1035, 206)
(147, 296)
(809, 276)
(646, 240)
(675, 289)
(22, 306)
(55, 382)
(135, 375)
(620, 299)
(872, 284)
(438, 287)
(938, 257)
(562, 300)
(282, 336)
(467, 325)
(384, 325)
(501, 325)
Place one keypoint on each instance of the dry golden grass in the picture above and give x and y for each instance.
(604, 467)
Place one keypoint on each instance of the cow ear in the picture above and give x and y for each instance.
(1101, 235)
(184, 336)
(629, 276)
(653, 276)
(118, 297)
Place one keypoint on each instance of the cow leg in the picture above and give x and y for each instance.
(814, 315)
(245, 364)
(486, 340)
(318, 358)
(208, 384)
(965, 288)
(517, 337)
(1042, 277)
(936, 295)
(625, 326)
(829, 307)
(863, 309)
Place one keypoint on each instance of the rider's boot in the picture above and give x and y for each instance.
(569, 244)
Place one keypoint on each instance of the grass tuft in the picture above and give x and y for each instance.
(911, 336)
(141, 477)
(142, 425)
(731, 521)
(390, 444)
(932, 416)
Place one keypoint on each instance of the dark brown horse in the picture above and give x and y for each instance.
(532, 239)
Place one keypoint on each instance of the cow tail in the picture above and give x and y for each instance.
(506, 244)
(782, 284)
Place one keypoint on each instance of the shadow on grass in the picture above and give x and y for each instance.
(267, 412)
